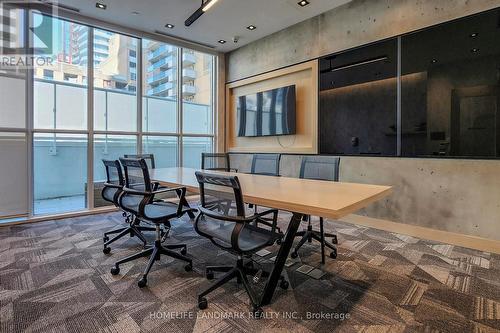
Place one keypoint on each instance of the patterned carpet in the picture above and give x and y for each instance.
(55, 278)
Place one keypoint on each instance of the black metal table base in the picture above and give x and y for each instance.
(279, 263)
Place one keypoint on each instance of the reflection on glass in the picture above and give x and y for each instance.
(358, 101)
(13, 99)
(60, 89)
(109, 147)
(115, 81)
(60, 172)
(197, 77)
(13, 175)
(164, 148)
(192, 149)
(159, 64)
(450, 89)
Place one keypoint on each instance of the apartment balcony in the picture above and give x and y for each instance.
(188, 59)
(160, 88)
(167, 62)
(188, 90)
(162, 51)
(188, 74)
(161, 77)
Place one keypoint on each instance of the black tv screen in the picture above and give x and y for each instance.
(270, 112)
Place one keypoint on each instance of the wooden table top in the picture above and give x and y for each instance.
(314, 197)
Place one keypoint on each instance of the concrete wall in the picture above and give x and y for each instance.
(460, 196)
(356, 23)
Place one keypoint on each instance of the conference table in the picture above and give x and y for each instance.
(299, 196)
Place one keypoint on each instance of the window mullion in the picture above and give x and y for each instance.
(90, 118)
(139, 92)
(180, 150)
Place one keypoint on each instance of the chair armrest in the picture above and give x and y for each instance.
(169, 189)
(112, 185)
(237, 219)
(162, 190)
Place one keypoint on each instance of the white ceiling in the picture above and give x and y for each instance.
(227, 18)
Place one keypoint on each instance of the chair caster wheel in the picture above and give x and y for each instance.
(188, 267)
(334, 240)
(115, 270)
(106, 250)
(183, 251)
(210, 275)
(202, 303)
(257, 312)
(294, 255)
(142, 282)
(105, 239)
(333, 254)
(284, 284)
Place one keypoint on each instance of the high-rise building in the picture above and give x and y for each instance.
(11, 21)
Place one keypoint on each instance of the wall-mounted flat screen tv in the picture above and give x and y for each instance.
(270, 112)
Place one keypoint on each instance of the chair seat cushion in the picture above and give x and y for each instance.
(251, 238)
(160, 210)
(131, 202)
(108, 193)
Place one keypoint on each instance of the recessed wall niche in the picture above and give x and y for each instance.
(449, 97)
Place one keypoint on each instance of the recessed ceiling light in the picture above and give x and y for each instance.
(222, 41)
(303, 3)
(474, 50)
(170, 26)
(434, 61)
(100, 5)
(474, 34)
(251, 27)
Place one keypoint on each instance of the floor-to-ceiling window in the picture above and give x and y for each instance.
(13, 133)
(197, 105)
(98, 95)
(60, 125)
(115, 102)
(160, 102)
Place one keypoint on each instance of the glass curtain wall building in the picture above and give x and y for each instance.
(103, 94)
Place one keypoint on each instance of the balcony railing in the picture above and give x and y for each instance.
(166, 62)
(160, 88)
(168, 75)
(161, 51)
(188, 59)
(188, 90)
(188, 74)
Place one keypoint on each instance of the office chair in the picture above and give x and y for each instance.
(268, 165)
(111, 192)
(138, 186)
(150, 161)
(216, 161)
(318, 168)
(232, 231)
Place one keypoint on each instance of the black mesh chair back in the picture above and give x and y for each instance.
(215, 161)
(114, 181)
(149, 158)
(266, 164)
(136, 173)
(226, 226)
(320, 168)
(215, 189)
